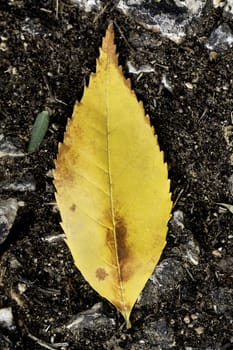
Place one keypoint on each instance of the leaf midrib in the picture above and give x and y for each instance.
(122, 290)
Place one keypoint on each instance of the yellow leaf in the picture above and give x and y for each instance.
(112, 186)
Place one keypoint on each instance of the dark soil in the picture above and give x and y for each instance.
(47, 60)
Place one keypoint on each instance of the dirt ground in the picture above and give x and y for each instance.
(46, 57)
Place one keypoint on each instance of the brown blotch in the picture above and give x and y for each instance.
(121, 236)
(123, 249)
(101, 273)
(73, 207)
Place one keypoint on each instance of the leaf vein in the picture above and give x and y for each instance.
(93, 219)
(93, 184)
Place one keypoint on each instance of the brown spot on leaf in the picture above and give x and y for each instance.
(121, 236)
(101, 273)
(73, 207)
(121, 244)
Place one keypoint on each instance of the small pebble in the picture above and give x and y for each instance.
(216, 253)
(189, 86)
(187, 319)
(213, 55)
(194, 317)
(87, 5)
(166, 83)
(178, 219)
(218, 3)
(228, 8)
(22, 287)
(14, 263)
(6, 317)
(143, 69)
(200, 330)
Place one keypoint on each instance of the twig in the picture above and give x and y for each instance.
(203, 114)
(123, 36)
(41, 342)
(100, 13)
(178, 197)
(57, 8)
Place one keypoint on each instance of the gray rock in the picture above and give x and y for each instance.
(167, 274)
(230, 182)
(90, 319)
(225, 265)
(26, 183)
(8, 148)
(220, 39)
(171, 18)
(222, 299)
(8, 211)
(160, 334)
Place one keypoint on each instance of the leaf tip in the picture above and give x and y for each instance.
(108, 45)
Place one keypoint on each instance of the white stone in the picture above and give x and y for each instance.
(142, 69)
(6, 317)
(178, 218)
(228, 8)
(87, 5)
